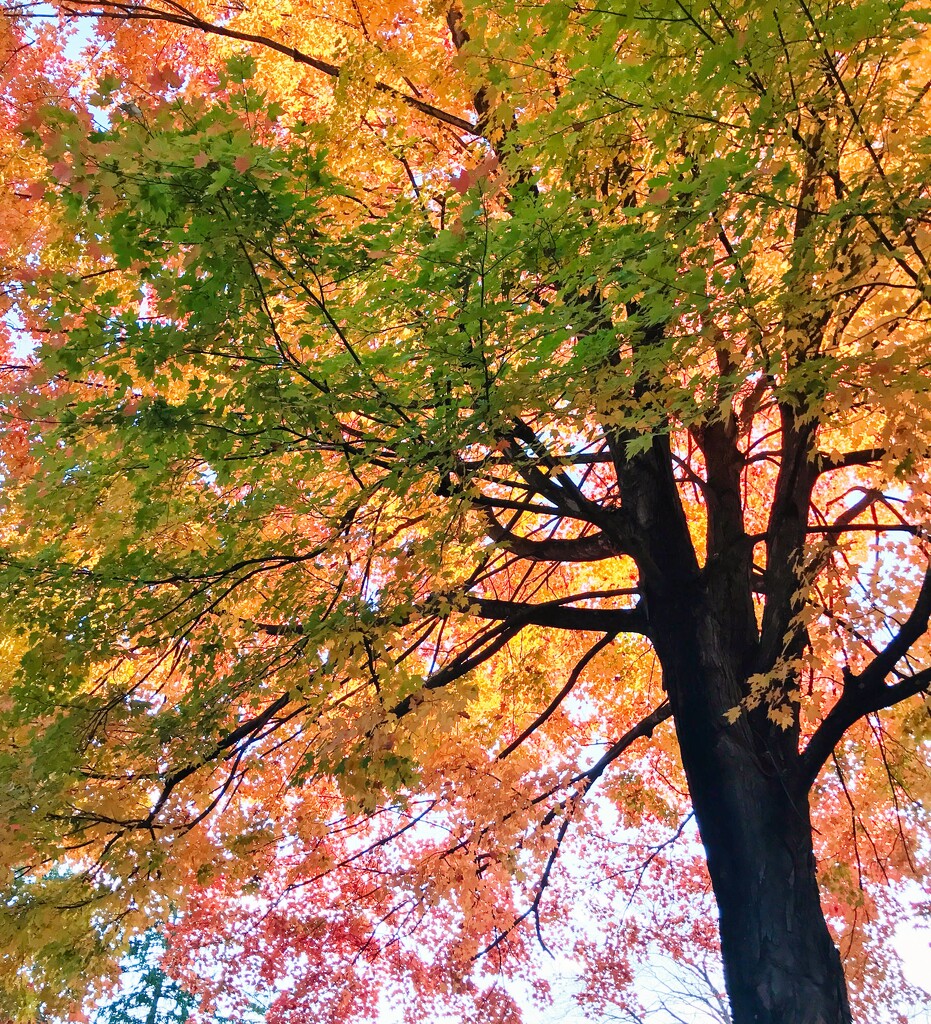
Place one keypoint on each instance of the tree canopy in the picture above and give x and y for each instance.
(447, 449)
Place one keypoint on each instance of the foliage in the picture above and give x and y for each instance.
(427, 406)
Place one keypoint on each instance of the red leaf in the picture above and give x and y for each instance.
(171, 77)
(462, 182)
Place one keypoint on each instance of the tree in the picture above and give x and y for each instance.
(424, 396)
(148, 995)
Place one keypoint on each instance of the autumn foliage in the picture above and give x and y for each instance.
(464, 467)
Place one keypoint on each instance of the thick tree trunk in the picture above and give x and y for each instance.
(780, 963)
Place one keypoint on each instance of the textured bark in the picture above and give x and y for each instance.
(780, 963)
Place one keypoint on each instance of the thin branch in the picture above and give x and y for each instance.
(561, 696)
(644, 728)
(552, 614)
(477, 653)
(868, 691)
(180, 15)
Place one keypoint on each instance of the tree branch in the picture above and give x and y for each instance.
(574, 676)
(864, 457)
(868, 691)
(477, 652)
(553, 614)
(574, 549)
(644, 728)
(556, 615)
(180, 15)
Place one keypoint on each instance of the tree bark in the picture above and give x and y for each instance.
(780, 963)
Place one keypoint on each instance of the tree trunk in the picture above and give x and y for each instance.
(780, 963)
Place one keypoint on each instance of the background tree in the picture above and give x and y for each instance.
(428, 408)
(147, 995)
